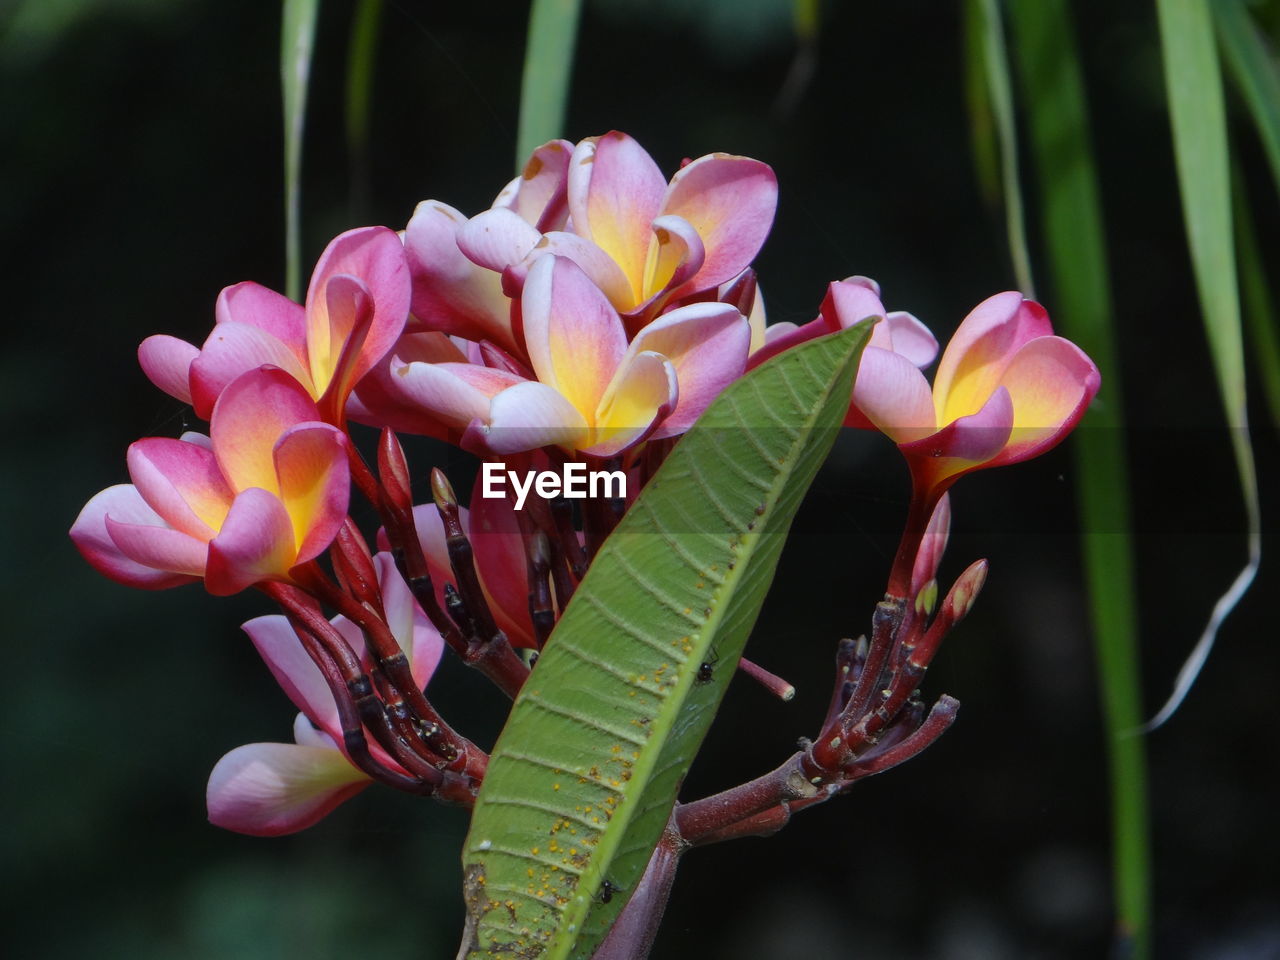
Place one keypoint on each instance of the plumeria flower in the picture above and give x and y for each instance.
(605, 205)
(356, 307)
(848, 302)
(587, 388)
(265, 491)
(1006, 390)
(268, 789)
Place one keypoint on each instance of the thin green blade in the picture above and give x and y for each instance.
(1082, 309)
(548, 64)
(361, 56)
(995, 57)
(1193, 82)
(583, 778)
(297, 41)
(1253, 68)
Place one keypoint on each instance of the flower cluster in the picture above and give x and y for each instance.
(591, 314)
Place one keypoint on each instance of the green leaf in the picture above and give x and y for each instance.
(1075, 244)
(1254, 71)
(1259, 307)
(548, 63)
(982, 122)
(361, 57)
(297, 41)
(996, 59)
(1193, 82)
(585, 773)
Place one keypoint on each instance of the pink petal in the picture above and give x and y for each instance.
(730, 201)
(167, 363)
(376, 258)
(849, 302)
(574, 336)
(256, 543)
(530, 415)
(90, 535)
(182, 483)
(497, 238)
(644, 392)
(257, 306)
(315, 484)
(595, 263)
(676, 254)
(417, 637)
(452, 393)
(981, 348)
(894, 396)
(909, 337)
(539, 195)
(270, 789)
(450, 293)
(252, 413)
(1051, 381)
(963, 445)
(500, 560)
(707, 344)
(783, 336)
(159, 547)
(294, 670)
(336, 364)
(231, 350)
(378, 400)
(615, 192)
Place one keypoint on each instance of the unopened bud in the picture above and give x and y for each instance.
(393, 471)
(442, 491)
(965, 591)
(927, 599)
(933, 545)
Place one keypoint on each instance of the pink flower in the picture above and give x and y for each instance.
(645, 243)
(586, 388)
(1006, 390)
(268, 789)
(848, 302)
(356, 307)
(266, 491)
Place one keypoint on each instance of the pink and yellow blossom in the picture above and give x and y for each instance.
(356, 307)
(265, 491)
(587, 387)
(1006, 390)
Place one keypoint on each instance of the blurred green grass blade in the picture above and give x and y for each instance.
(297, 41)
(996, 59)
(806, 16)
(982, 123)
(1254, 72)
(548, 64)
(1259, 307)
(361, 56)
(1075, 243)
(1193, 82)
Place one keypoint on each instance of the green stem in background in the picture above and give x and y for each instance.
(297, 42)
(1259, 308)
(1193, 82)
(361, 55)
(995, 58)
(982, 123)
(1075, 244)
(548, 63)
(1256, 75)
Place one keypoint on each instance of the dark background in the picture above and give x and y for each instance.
(141, 156)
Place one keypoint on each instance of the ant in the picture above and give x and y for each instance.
(706, 669)
(607, 890)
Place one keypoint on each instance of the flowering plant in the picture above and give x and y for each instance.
(597, 323)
